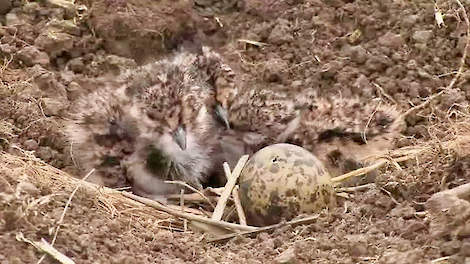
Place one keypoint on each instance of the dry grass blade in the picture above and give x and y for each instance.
(194, 198)
(192, 189)
(185, 222)
(49, 249)
(253, 42)
(68, 204)
(46, 248)
(305, 220)
(404, 154)
(191, 217)
(65, 210)
(422, 105)
(385, 94)
(368, 169)
(238, 205)
(231, 181)
(443, 260)
(357, 188)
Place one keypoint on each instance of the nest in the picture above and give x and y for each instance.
(123, 204)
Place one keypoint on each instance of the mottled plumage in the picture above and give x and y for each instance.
(273, 114)
(340, 131)
(352, 118)
(102, 131)
(345, 131)
(180, 95)
(165, 112)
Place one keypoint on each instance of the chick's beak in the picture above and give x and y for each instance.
(180, 137)
(222, 115)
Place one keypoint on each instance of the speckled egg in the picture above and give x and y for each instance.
(282, 181)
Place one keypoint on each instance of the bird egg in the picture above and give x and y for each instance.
(281, 181)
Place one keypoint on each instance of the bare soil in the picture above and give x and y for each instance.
(392, 50)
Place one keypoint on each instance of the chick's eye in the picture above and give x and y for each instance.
(153, 114)
(116, 130)
(122, 130)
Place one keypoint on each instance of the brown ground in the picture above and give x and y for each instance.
(388, 49)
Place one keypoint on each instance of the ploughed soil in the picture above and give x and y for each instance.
(52, 52)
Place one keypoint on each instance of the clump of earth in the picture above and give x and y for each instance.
(54, 51)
